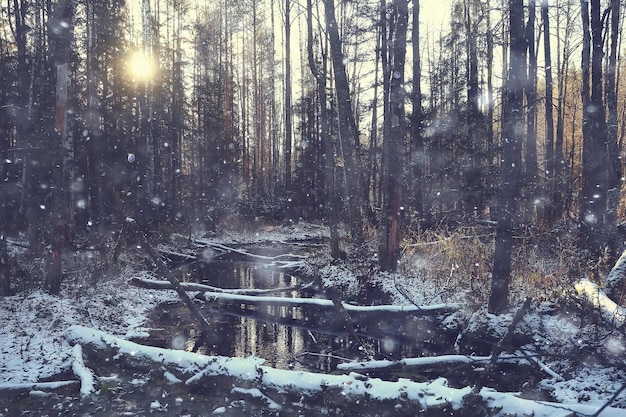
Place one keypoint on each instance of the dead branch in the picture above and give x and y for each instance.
(164, 271)
(192, 286)
(504, 342)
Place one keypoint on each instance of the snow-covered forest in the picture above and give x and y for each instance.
(391, 207)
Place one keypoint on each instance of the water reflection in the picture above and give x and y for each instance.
(310, 342)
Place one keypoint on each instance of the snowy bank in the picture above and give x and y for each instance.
(436, 395)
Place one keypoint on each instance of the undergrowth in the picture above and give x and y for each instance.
(450, 262)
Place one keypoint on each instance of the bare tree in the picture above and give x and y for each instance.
(348, 133)
(594, 169)
(327, 143)
(62, 165)
(531, 169)
(611, 91)
(389, 251)
(551, 159)
(510, 170)
(288, 87)
(418, 156)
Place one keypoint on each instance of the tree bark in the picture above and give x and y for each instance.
(614, 164)
(510, 170)
(62, 164)
(348, 133)
(552, 159)
(418, 155)
(531, 169)
(330, 189)
(288, 126)
(389, 251)
(592, 234)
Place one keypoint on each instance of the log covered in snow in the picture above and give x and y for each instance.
(82, 372)
(609, 309)
(38, 386)
(321, 303)
(192, 286)
(435, 397)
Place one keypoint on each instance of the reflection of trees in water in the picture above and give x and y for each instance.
(301, 337)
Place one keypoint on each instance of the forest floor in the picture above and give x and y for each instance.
(573, 357)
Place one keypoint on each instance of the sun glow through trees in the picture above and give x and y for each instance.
(141, 66)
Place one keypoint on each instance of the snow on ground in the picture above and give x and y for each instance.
(433, 394)
(32, 346)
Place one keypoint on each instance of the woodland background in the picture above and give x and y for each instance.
(195, 114)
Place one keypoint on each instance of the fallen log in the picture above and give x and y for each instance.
(437, 362)
(82, 372)
(288, 261)
(192, 286)
(594, 295)
(410, 325)
(39, 386)
(427, 362)
(405, 397)
(431, 310)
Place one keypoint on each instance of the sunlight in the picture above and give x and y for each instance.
(141, 66)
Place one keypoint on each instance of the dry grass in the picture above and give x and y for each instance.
(451, 263)
(457, 263)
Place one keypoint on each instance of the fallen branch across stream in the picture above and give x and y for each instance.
(38, 386)
(427, 362)
(431, 362)
(192, 286)
(430, 310)
(281, 261)
(283, 386)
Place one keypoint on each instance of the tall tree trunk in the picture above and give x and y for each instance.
(62, 170)
(594, 171)
(562, 196)
(348, 133)
(5, 277)
(418, 151)
(551, 158)
(372, 183)
(288, 127)
(614, 158)
(148, 173)
(32, 194)
(389, 251)
(531, 170)
(491, 169)
(510, 170)
(472, 178)
(385, 36)
(330, 196)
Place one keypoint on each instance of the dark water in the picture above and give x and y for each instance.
(286, 337)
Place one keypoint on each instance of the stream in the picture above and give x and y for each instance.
(286, 337)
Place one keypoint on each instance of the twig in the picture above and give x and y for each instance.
(403, 293)
(323, 355)
(534, 359)
(608, 403)
(504, 341)
(165, 271)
